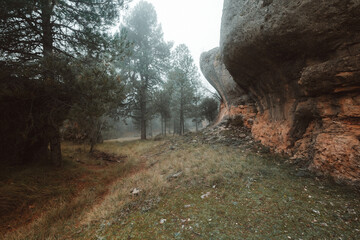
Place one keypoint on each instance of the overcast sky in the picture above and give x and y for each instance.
(195, 23)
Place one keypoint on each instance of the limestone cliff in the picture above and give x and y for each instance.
(298, 63)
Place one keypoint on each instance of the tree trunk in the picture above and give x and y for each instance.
(93, 138)
(169, 126)
(183, 127)
(162, 125)
(47, 38)
(196, 124)
(55, 147)
(151, 129)
(181, 130)
(92, 145)
(165, 126)
(174, 127)
(143, 128)
(95, 133)
(47, 41)
(143, 111)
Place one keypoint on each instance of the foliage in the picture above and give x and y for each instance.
(27, 104)
(69, 27)
(209, 108)
(42, 45)
(96, 101)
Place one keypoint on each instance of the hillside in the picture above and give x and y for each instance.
(209, 185)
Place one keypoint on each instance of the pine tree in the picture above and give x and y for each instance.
(162, 105)
(184, 78)
(148, 62)
(42, 41)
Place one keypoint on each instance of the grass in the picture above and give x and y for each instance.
(42, 202)
(246, 195)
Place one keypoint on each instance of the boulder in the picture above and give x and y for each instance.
(298, 63)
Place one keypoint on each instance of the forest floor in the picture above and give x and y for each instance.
(217, 184)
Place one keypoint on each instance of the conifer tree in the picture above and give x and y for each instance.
(184, 78)
(148, 62)
(42, 42)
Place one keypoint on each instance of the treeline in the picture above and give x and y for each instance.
(63, 73)
(161, 81)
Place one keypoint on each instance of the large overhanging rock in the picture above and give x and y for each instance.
(299, 60)
(235, 101)
(219, 77)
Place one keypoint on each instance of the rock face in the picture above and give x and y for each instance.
(298, 63)
(235, 101)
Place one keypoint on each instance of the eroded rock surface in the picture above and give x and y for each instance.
(235, 101)
(298, 63)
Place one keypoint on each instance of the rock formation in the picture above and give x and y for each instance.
(293, 69)
(235, 101)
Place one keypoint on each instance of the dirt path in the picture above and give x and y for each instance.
(126, 139)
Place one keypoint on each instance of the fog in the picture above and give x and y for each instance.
(194, 23)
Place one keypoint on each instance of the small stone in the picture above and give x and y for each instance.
(205, 195)
(351, 211)
(135, 191)
(316, 211)
(175, 175)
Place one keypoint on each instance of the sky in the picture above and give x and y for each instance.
(195, 23)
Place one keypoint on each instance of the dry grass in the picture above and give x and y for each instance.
(245, 188)
(42, 202)
(199, 165)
